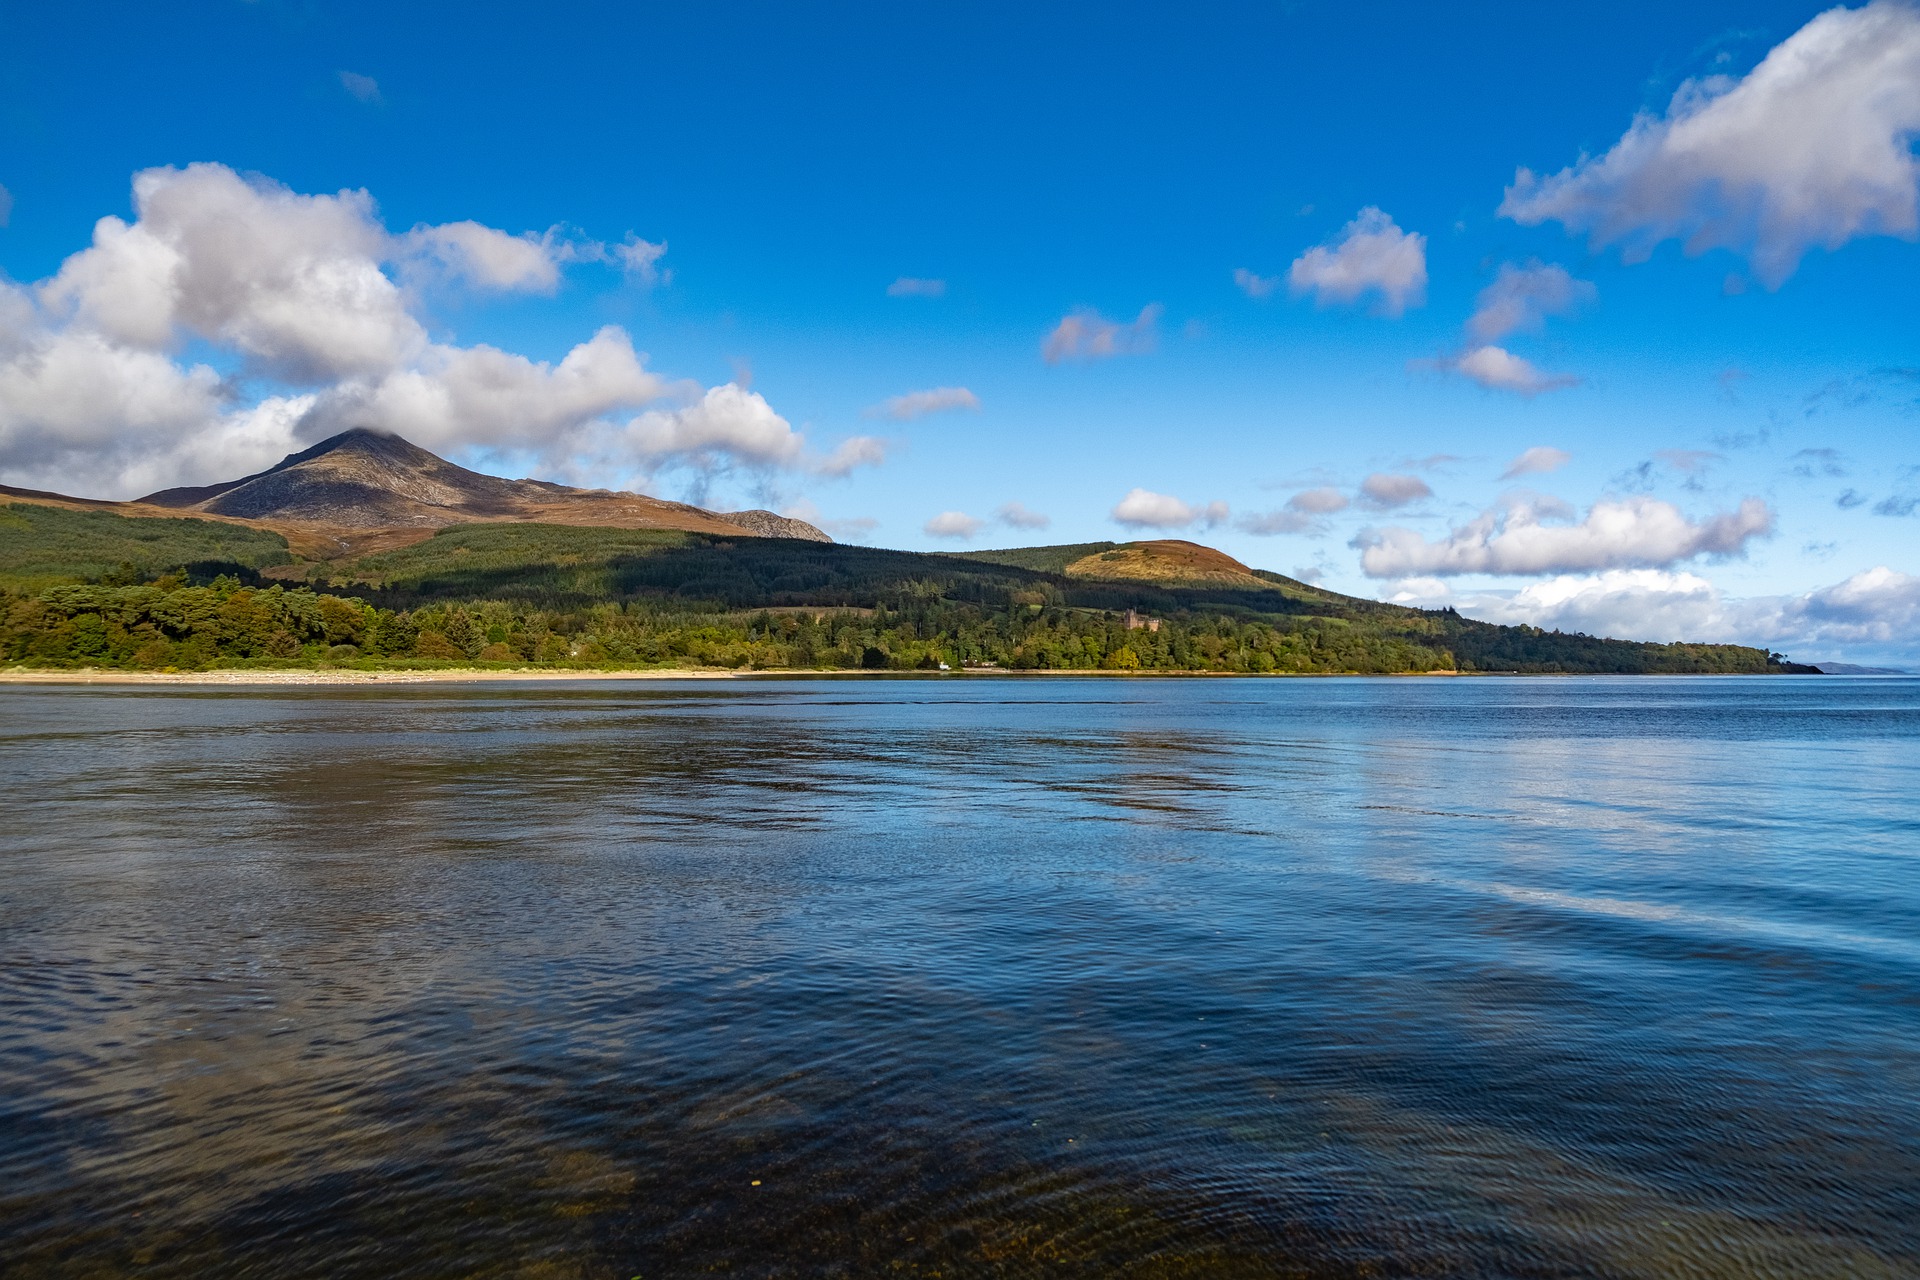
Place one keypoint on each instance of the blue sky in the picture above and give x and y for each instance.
(1297, 303)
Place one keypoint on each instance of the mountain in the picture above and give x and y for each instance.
(1852, 669)
(364, 480)
(416, 559)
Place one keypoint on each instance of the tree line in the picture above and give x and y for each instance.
(172, 623)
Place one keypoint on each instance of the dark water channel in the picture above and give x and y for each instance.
(1580, 977)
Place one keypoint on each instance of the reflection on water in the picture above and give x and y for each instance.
(1024, 978)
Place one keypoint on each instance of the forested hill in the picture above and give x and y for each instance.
(92, 588)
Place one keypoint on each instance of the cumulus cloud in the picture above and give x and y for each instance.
(1813, 147)
(483, 395)
(1088, 335)
(1513, 538)
(312, 296)
(1016, 516)
(1498, 369)
(1383, 491)
(727, 424)
(1372, 256)
(1521, 298)
(916, 287)
(490, 259)
(1256, 286)
(953, 524)
(730, 426)
(1872, 616)
(291, 282)
(1144, 509)
(1536, 461)
(365, 88)
(918, 404)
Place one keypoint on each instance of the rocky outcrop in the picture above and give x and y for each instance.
(766, 524)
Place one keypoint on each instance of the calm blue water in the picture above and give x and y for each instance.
(1553, 977)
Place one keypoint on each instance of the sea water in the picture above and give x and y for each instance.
(963, 976)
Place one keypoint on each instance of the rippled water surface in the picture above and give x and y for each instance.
(1556, 977)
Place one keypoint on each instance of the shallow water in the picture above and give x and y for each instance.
(1554, 977)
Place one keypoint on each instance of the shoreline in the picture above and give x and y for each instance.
(472, 675)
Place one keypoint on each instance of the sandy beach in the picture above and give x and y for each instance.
(471, 675)
(451, 676)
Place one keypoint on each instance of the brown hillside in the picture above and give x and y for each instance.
(1171, 562)
(364, 491)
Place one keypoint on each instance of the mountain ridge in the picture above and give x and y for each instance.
(363, 489)
(362, 479)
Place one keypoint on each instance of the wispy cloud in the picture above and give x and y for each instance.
(364, 88)
(1522, 297)
(918, 404)
(1305, 512)
(917, 287)
(1536, 461)
(1256, 286)
(1016, 516)
(1088, 335)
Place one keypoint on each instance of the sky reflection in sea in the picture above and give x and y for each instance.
(1601, 977)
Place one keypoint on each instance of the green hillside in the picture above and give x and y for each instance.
(42, 545)
(102, 590)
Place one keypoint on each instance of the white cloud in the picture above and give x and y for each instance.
(916, 287)
(365, 88)
(1634, 532)
(1256, 286)
(1144, 509)
(491, 259)
(1813, 147)
(307, 291)
(1498, 369)
(1319, 502)
(1016, 516)
(1372, 256)
(917, 404)
(1384, 491)
(1521, 298)
(730, 426)
(1536, 461)
(1088, 335)
(483, 395)
(292, 282)
(1872, 616)
(953, 524)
